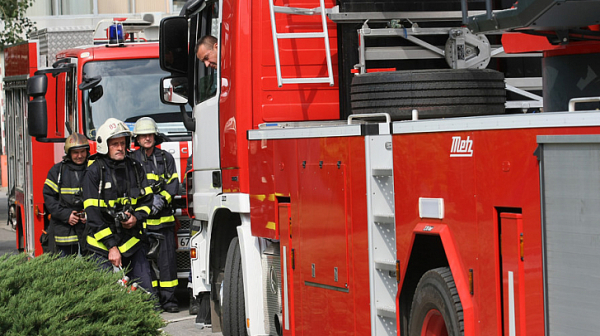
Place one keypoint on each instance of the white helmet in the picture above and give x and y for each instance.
(112, 128)
(146, 125)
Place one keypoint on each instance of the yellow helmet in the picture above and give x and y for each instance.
(146, 125)
(75, 141)
(112, 128)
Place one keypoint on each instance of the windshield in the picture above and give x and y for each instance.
(129, 90)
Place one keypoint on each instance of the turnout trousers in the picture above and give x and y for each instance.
(139, 268)
(165, 280)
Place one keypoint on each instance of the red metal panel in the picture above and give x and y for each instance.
(508, 177)
(326, 217)
(298, 58)
(231, 180)
(101, 52)
(423, 167)
(321, 236)
(514, 43)
(285, 168)
(267, 102)
(323, 224)
(235, 44)
(262, 190)
(513, 281)
(42, 161)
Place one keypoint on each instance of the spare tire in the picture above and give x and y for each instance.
(433, 93)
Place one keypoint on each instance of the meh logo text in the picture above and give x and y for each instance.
(460, 147)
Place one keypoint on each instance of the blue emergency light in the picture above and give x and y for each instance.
(116, 33)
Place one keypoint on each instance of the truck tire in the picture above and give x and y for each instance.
(436, 307)
(433, 93)
(234, 308)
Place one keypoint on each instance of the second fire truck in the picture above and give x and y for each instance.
(85, 85)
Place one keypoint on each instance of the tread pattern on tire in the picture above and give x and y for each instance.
(234, 310)
(434, 93)
(446, 277)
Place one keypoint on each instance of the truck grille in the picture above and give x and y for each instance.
(184, 222)
(183, 260)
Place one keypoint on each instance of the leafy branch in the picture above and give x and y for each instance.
(14, 24)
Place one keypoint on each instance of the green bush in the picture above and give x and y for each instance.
(48, 295)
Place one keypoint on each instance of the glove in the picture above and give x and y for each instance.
(157, 203)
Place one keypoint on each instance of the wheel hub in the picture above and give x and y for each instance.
(433, 324)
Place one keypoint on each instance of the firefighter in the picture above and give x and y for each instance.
(161, 173)
(63, 199)
(117, 201)
(207, 51)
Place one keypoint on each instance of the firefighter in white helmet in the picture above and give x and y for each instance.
(63, 199)
(117, 201)
(161, 173)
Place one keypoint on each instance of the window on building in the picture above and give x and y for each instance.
(100, 7)
(76, 7)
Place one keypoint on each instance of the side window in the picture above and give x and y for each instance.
(71, 96)
(206, 76)
(65, 120)
(60, 107)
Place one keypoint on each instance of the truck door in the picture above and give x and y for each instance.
(513, 286)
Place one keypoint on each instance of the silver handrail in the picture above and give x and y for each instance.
(574, 101)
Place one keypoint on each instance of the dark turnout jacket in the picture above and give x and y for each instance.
(161, 173)
(108, 188)
(63, 195)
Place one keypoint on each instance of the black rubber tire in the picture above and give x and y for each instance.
(437, 291)
(234, 309)
(433, 93)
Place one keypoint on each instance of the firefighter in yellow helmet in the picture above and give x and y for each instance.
(161, 173)
(117, 201)
(63, 198)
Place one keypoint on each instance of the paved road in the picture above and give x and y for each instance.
(7, 235)
(179, 324)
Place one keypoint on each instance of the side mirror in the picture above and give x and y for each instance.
(96, 93)
(37, 110)
(174, 90)
(89, 82)
(173, 44)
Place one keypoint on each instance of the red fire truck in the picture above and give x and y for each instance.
(85, 86)
(335, 199)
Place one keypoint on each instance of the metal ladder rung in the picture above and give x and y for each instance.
(383, 218)
(300, 35)
(382, 171)
(305, 80)
(296, 10)
(387, 311)
(385, 265)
